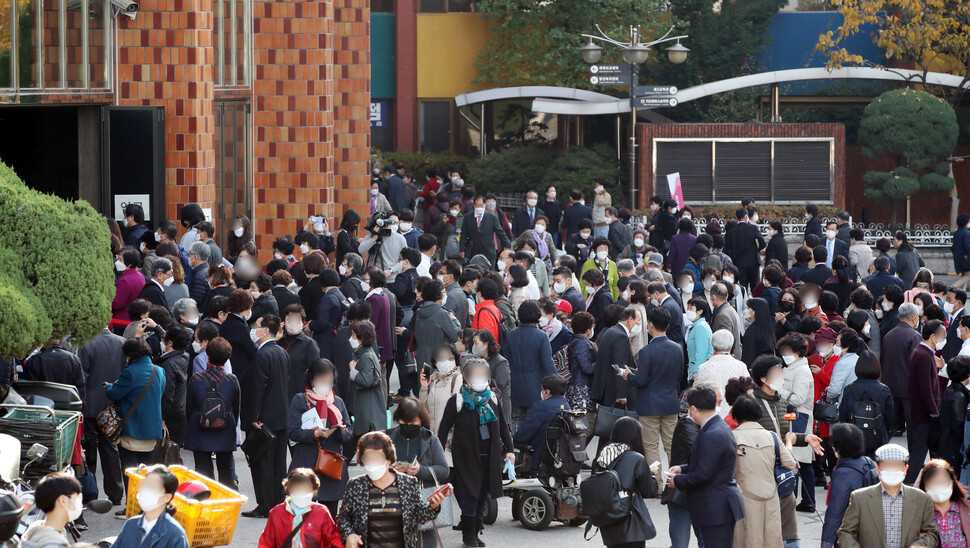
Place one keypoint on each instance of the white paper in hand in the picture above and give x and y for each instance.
(311, 420)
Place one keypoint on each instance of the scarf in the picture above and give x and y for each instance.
(479, 401)
(541, 246)
(325, 407)
(553, 329)
(610, 453)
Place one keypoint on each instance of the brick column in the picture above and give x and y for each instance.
(352, 106)
(293, 123)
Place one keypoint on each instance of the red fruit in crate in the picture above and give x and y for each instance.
(195, 490)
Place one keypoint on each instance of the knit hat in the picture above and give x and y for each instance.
(329, 278)
(826, 334)
(640, 232)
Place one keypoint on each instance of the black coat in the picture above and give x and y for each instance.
(637, 480)
(683, 440)
(479, 239)
(223, 290)
(759, 337)
(521, 221)
(613, 347)
(329, 314)
(953, 340)
(302, 351)
(620, 237)
(777, 249)
(310, 296)
(101, 362)
(303, 452)
(817, 275)
(176, 366)
(154, 294)
(264, 389)
(572, 215)
(196, 438)
(708, 477)
(601, 300)
(466, 446)
(346, 243)
(351, 288)
(574, 298)
(814, 226)
(675, 331)
(236, 331)
(200, 285)
(553, 212)
(264, 305)
(873, 390)
(743, 244)
(953, 415)
(55, 364)
(572, 247)
(285, 297)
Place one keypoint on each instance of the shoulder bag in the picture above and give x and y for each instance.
(786, 479)
(329, 463)
(445, 515)
(109, 421)
(606, 417)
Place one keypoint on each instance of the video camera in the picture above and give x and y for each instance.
(376, 224)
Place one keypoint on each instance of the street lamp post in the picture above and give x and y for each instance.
(635, 53)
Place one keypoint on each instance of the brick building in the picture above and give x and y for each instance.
(243, 106)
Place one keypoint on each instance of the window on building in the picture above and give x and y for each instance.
(382, 6)
(447, 6)
(233, 39)
(233, 180)
(435, 125)
(726, 170)
(55, 44)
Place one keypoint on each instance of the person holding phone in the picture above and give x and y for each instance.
(317, 420)
(439, 384)
(384, 507)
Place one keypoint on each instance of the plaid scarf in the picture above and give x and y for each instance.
(478, 401)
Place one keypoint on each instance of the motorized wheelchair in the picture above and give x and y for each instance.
(551, 492)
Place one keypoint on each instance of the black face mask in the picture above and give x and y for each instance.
(786, 306)
(410, 430)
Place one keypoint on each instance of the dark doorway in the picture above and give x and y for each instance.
(41, 145)
(133, 149)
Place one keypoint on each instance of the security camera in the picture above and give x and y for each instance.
(126, 6)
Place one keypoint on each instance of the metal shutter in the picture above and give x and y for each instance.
(743, 169)
(803, 171)
(693, 160)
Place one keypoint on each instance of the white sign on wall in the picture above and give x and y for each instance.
(122, 200)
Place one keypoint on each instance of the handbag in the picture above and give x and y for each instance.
(329, 463)
(606, 417)
(109, 420)
(257, 443)
(167, 452)
(785, 478)
(445, 516)
(825, 411)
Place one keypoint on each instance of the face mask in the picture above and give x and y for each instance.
(590, 290)
(654, 302)
(75, 512)
(479, 211)
(543, 321)
(409, 431)
(636, 329)
(253, 336)
(169, 281)
(626, 296)
(294, 327)
(531, 202)
(445, 366)
(148, 500)
(376, 471)
(887, 306)
(196, 347)
(559, 287)
(879, 314)
(392, 228)
(866, 329)
(830, 234)
(940, 494)
(405, 227)
(455, 212)
(239, 232)
(809, 304)
(354, 343)
(342, 270)
(941, 344)
(708, 285)
(786, 306)
(318, 227)
(755, 218)
(673, 211)
(948, 308)
(601, 255)
(728, 279)
(654, 207)
(322, 390)
(119, 266)
(597, 189)
(836, 350)
(142, 248)
(255, 294)
(301, 500)
(919, 310)
(501, 265)
(365, 286)
(490, 206)
(479, 385)
(158, 237)
(478, 351)
(304, 249)
(892, 478)
(685, 216)
(277, 255)
(691, 315)
(687, 288)
(373, 192)
(717, 409)
(584, 235)
(638, 242)
(540, 229)
(789, 359)
(776, 386)
(551, 194)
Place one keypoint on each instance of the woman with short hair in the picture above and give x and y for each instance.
(367, 393)
(156, 491)
(314, 523)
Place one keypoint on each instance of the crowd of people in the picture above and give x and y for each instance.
(760, 378)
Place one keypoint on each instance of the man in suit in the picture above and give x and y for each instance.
(281, 292)
(659, 297)
(101, 362)
(154, 290)
(609, 389)
(620, 234)
(455, 301)
(330, 311)
(395, 188)
(562, 279)
(199, 261)
(956, 300)
(602, 297)
(890, 513)
(532, 431)
(660, 367)
(724, 316)
(923, 390)
(844, 227)
(814, 224)
(743, 244)
(525, 216)
(574, 213)
(480, 232)
(961, 251)
(714, 501)
(265, 394)
(822, 269)
(235, 329)
(833, 245)
(878, 282)
(897, 346)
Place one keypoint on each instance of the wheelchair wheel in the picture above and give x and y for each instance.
(536, 510)
(491, 511)
(516, 508)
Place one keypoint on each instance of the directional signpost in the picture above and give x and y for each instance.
(611, 80)
(648, 91)
(653, 102)
(610, 69)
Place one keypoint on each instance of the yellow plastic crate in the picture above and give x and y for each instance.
(207, 523)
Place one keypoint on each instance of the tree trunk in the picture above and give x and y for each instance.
(954, 201)
(892, 220)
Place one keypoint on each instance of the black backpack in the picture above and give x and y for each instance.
(867, 415)
(503, 330)
(214, 411)
(601, 497)
(566, 443)
(868, 470)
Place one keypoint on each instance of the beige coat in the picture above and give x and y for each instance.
(640, 340)
(755, 474)
(441, 387)
(799, 390)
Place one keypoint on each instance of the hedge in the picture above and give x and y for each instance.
(56, 274)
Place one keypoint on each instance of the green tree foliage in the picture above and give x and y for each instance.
(530, 168)
(417, 164)
(534, 42)
(55, 268)
(916, 130)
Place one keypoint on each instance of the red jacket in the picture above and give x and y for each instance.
(319, 531)
(822, 380)
(485, 320)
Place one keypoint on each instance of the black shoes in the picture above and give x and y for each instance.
(805, 506)
(256, 513)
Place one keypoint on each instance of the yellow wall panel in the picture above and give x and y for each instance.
(448, 46)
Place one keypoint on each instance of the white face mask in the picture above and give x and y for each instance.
(169, 281)
(941, 344)
(866, 329)
(590, 290)
(255, 294)
(455, 212)
(376, 471)
(318, 227)
(638, 242)
(626, 295)
(354, 343)
(277, 255)
(717, 409)
(490, 206)
(830, 234)
(654, 302)
(158, 237)
(441, 279)
(948, 308)
(479, 211)
(836, 350)
(776, 386)
(687, 287)
(75, 512)
(602, 255)
(809, 304)
(636, 329)
(879, 314)
(540, 229)
(196, 347)
(691, 315)
(532, 202)
(478, 351)
(293, 327)
(887, 306)
(148, 500)
(304, 249)
(373, 192)
(253, 335)
(892, 478)
(940, 494)
(239, 232)
(405, 227)
(728, 279)
(789, 359)
(143, 248)
(685, 216)
(342, 270)
(302, 500)
(559, 287)
(322, 390)
(708, 285)
(755, 218)
(919, 310)
(365, 286)
(585, 235)
(501, 265)
(543, 321)
(479, 385)
(393, 228)
(119, 266)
